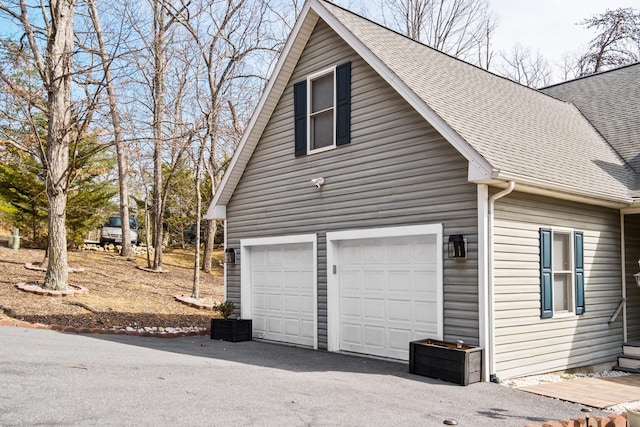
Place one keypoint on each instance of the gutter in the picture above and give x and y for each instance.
(490, 293)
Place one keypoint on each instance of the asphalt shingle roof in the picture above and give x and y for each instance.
(501, 127)
(519, 131)
(611, 102)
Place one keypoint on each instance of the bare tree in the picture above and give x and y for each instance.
(461, 28)
(227, 34)
(118, 138)
(54, 65)
(521, 66)
(617, 43)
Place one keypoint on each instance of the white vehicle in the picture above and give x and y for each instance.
(111, 231)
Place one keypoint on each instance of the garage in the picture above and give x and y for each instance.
(385, 289)
(279, 291)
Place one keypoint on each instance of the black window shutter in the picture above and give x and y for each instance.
(546, 274)
(300, 114)
(343, 104)
(578, 248)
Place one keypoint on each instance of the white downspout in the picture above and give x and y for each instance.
(623, 258)
(490, 294)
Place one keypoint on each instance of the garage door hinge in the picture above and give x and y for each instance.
(335, 269)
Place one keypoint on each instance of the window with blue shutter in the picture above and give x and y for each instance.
(343, 104)
(546, 274)
(561, 272)
(578, 248)
(300, 113)
(322, 110)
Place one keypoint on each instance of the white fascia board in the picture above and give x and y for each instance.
(476, 161)
(552, 189)
(267, 103)
(633, 208)
(216, 212)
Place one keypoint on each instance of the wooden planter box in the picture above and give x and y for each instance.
(438, 359)
(233, 330)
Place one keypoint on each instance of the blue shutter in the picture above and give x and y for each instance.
(343, 104)
(300, 115)
(578, 248)
(546, 273)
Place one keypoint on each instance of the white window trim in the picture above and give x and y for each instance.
(333, 293)
(310, 79)
(571, 312)
(245, 272)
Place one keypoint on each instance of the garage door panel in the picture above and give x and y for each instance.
(373, 280)
(292, 327)
(351, 334)
(351, 307)
(282, 292)
(399, 282)
(308, 329)
(352, 279)
(387, 293)
(373, 308)
(399, 311)
(274, 303)
(398, 339)
(374, 336)
(274, 325)
(259, 323)
(291, 304)
(307, 305)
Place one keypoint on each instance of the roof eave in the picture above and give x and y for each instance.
(558, 191)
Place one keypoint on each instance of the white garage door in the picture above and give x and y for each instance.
(388, 294)
(282, 293)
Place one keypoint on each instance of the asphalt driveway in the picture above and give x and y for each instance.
(52, 378)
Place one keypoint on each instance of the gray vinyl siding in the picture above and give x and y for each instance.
(526, 344)
(396, 171)
(632, 255)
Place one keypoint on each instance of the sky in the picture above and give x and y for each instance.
(549, 26)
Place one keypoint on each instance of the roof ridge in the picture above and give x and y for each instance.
(596, 74)
(492, 73)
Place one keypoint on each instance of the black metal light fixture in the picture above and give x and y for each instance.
(229, 256)
(457, 246)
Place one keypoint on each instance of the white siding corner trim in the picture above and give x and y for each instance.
(484, 291)
(246, 285)
(333, 281)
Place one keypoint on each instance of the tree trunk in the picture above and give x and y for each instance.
(117, 135)
(210, 235)
(196, 265)
(158, 118)
(59, 56)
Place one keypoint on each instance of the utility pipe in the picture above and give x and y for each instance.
(490, 294)
(623, 259)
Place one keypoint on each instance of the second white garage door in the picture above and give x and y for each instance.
(389, 293)
(282, 292)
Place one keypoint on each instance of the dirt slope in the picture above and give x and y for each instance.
(120, 294)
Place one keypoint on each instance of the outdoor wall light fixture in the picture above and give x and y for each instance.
(229, 256)
(457, 246)
(318, 182)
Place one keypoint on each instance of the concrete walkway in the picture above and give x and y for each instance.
(53, 378)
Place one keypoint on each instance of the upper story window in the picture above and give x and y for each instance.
(561, 272)
(321, 95)
(322, 109)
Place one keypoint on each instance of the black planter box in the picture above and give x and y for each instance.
(438, 359)
(233, 330)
